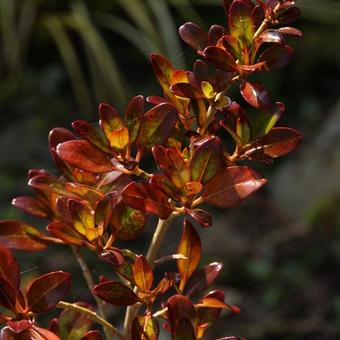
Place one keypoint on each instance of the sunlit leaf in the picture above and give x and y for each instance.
(47, 290)
(83, 155)
(231, 185)
(115, 293)
(255, 94)
(32, 206)
(201, 217)
(82, 216)
(142, 273)
(148, 198)
(66, 233)
(20, 235)
(190, 247)
(144, 328)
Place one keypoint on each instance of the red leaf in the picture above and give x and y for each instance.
(148, 198)
(181, 313)
(9, 268)
(134, 114)
(85, 156)
(32, 206)
(203, 278)
(47, 290)
(255, 94)
(142, 274)
(19, 326)
(66, 233)
(186, 90)
(194, 36)
(231, 186)
(110, 119)
(8, 295)
(190, 247)
(92, 335)
(276, 57)
(104, 209)
(156, 126)
(220, 58)
(115, 293)
(201, 217)
(20, 235)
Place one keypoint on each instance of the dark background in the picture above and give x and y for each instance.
(280, 248)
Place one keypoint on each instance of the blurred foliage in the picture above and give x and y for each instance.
(60, 58)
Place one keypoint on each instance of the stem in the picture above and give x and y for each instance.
(151, 256)
(90, 283)
(111, 330)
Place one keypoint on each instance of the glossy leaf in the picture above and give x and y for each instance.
(276, 57)
(20, 235)
(83, 155)
(110, 119)
(9, 268)
(47, 290)
(255, 94)
(127, 223)
(181, 313)
(163, 71)
(84, 192)
(201, 216)
(134, 114)
(186, 90)
(104, 209)
(115, 293)
(193, 35)
(32, 206)
(92, 134)
(142, 273)
(220, 58)
(190, 247)
(156, 126)
(148, 198)
(231, 186)
(203, 279)
(66, 233)
(144, 328)
(19, 326)
(207, 159)
(82, 216)
(92, 335)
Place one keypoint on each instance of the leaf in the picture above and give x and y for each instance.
(85, 192)
(134, 114)
(92, 134)
(127, 223)
(82, 216)
(278, 142)
(9, 268)
(8, 295)
(200, 216)
(104, 209)
(156, 126)
(41, 333)
(276, 57)
(194, 36)
(20, 326)
(241, 25)
(144, 328)
(255, 94)
(148, 198)
(203, 279)
(32, 206)
(142, 274)
(220, 58)
(110, 119)
(92, 335)
(115, 293)
(190, 247)
(181, 313)
(66, 233)
(47, 290)
(289, 15)
(187, 90)
(20, 235)
(83, 155)
(211, 302)
(119, 139)
(232, 185)
(207, 159)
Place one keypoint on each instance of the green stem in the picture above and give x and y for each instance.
(151, 256)
(90, 283)
(111, 330)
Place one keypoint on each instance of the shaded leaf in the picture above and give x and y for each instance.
(203, 279)
(32, 206)
(156, 126)
(134, 114)
(142, 273)
(115, 293)
(231, 186)
(8, 294)
(201, 216)
(148, 198)
(83, 155)
(47, 290)
(193, 35)
(220, 58)
(276, 57)
(9, 268)
(104, 209)
(20, 235)
(19, 326)
(144, 328)
(255, 94)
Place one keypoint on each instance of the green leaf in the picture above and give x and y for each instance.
(144, 327)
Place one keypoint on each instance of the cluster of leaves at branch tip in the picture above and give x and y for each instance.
(102, 194)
